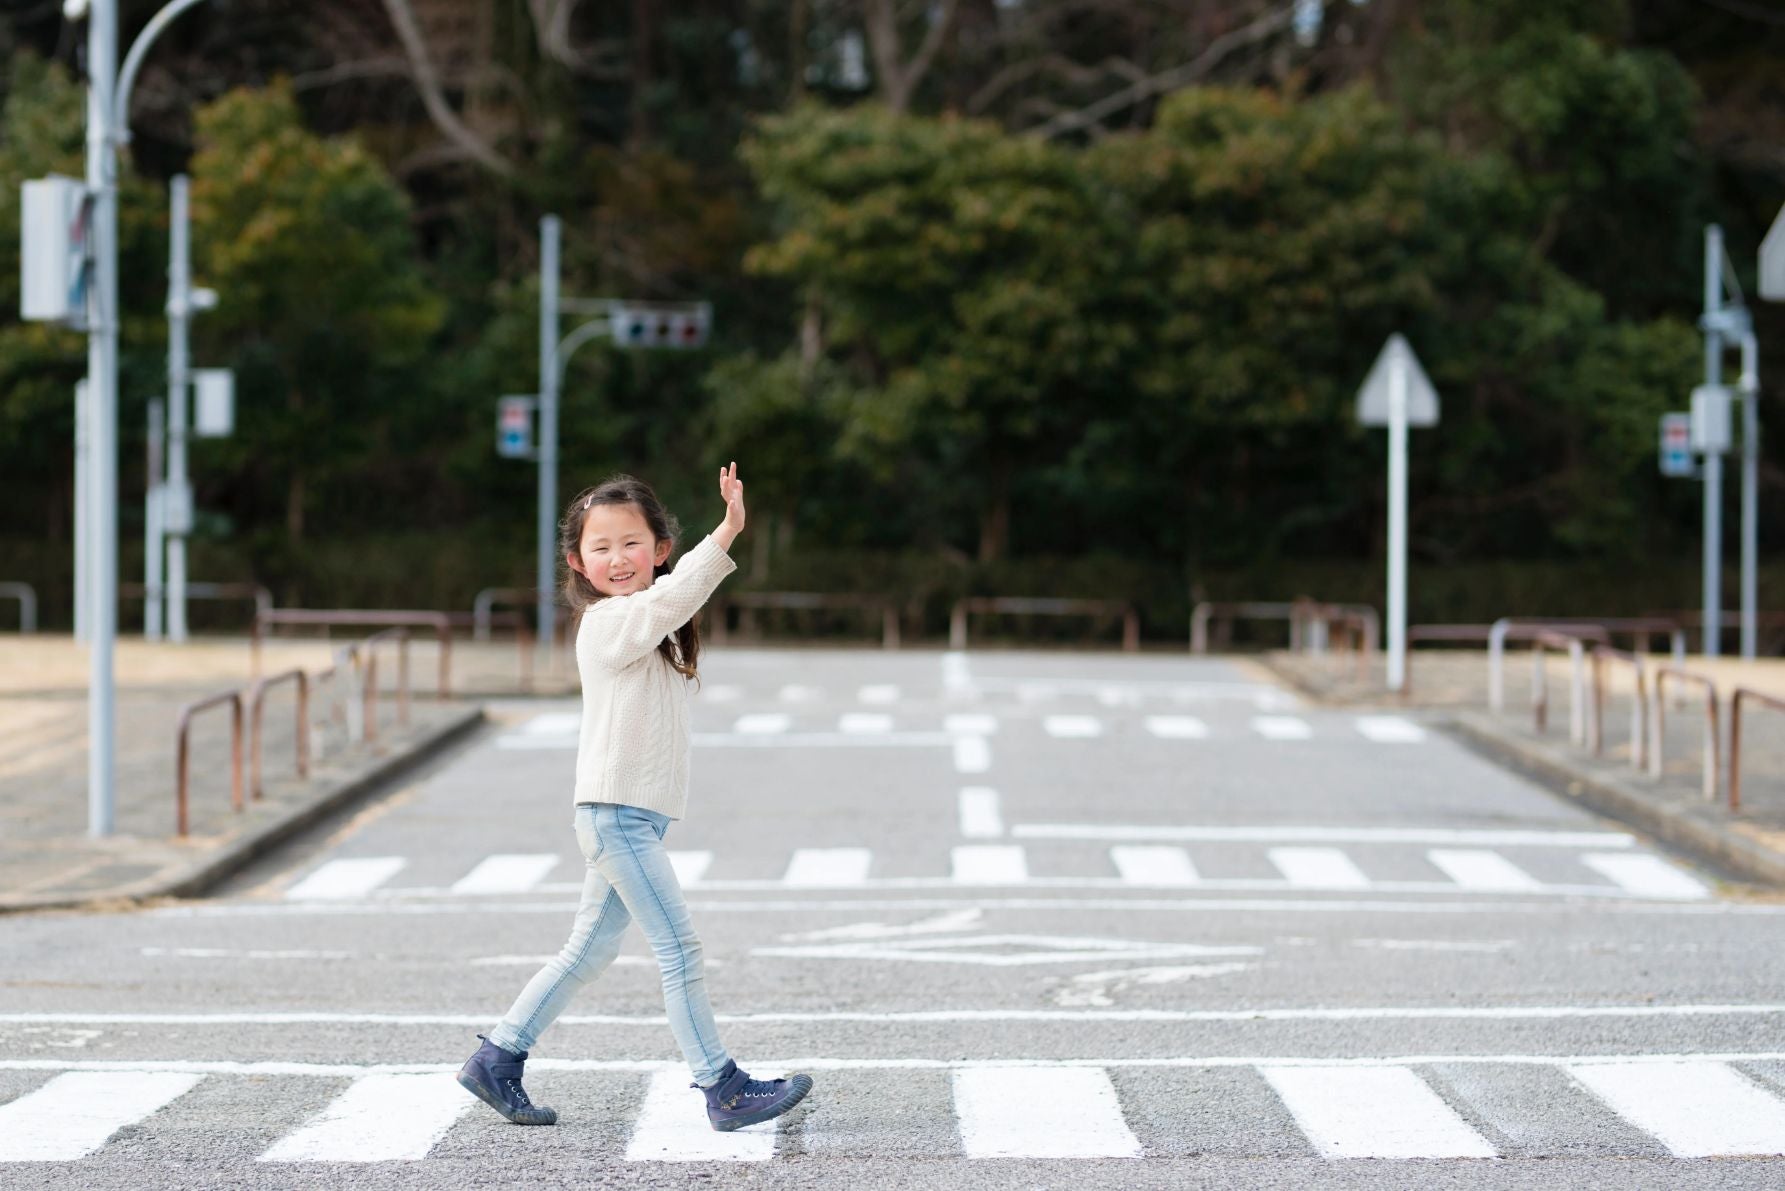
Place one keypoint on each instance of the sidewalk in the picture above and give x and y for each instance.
(47, 858)
(1453, 685)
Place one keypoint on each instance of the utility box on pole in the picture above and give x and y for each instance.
(213, 402)
(53, 251)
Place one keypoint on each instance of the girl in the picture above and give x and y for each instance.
(631, 781)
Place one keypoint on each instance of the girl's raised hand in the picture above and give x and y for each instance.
(732, 491)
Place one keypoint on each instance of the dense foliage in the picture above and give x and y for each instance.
(1035, 297)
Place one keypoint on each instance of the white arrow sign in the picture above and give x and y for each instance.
(1772, 261)
(1397, 394)
(1373, 398)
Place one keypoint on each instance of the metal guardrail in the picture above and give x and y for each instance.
(256, 705)
(1577, 686)
(26, 595)
(1638, 706)
(484, 602)
(1509, 627)
(399, 634)
(1027, 606)
(183, 758)
(747, 602)
(1735, 737)
(1226, 614)
(263, 598)
(439, 622)
(1711, 767)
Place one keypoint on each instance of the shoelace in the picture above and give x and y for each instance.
(519, 1094)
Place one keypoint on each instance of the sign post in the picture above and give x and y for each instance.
(1397, 394)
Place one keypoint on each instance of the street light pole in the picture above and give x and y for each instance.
(1713, 460)
(547, 561)
(102, 378)
(177, 503)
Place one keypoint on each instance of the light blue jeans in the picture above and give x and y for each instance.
(629, 878)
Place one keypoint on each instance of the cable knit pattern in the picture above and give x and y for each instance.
(634, 746)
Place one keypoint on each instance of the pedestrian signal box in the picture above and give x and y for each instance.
(1676, 445)
(514, 427)
(633, 324)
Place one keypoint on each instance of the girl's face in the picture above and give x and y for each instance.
(617, 552)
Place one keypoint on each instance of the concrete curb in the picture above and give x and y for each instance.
(1696, 830)
(202, 873)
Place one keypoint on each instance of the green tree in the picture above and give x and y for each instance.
(323, 300)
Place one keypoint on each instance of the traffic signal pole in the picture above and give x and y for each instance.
(547, 561)
(102, 379)
(1713, 460)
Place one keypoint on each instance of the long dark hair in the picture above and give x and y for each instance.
(681, 649)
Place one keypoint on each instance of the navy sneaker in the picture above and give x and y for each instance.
(737, 1100)
(493, 1075)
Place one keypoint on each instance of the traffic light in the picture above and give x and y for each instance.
(637, 325)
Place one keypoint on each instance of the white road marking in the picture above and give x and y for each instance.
(972, 754)
(997, 951)
(762, 723)
(1697, 1108)
(1177, 727)
(878, 694)
(988, 864)
(1646, 875)
(1153, 865)
(1118, 696)
(1390, 729)
(539, 961)
(340, 880)
(381, 1117)
(506, 872)
(1327, 835)
(1318, 868)
(1281, 727)
(555, 723)
(1379, 1112)
(970, 724)
(828, 866)
(796, 693)
(862, 723)
(950, 923)
(721, 693)
(1489, 946)
(523, 743)
(1036, 692)
(1480, 869)
(1072, 727)
(690, 866)
(777, 739)
(672, 1126)
(979, 813)
(229, 953)
(956, 679)
(1041, 1112)
(73, 1114)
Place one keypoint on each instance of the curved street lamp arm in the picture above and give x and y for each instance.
(568, 345)
(133, 62)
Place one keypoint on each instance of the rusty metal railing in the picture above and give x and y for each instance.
(1658, 744)
(183, 755)
(1603, 654)
(1735, 737)
(26, 595)
(439, 622)
(399, 634)
(1599, 628)
(1027, 606)
(748, 602)
(1577, 685)
(199, 590)
(256, 704)
(1225, 614)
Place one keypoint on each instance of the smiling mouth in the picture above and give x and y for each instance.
(618, 578)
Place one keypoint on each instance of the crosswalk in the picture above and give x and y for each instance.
(1021, 692)
(1606, 867)
(1432, 1107)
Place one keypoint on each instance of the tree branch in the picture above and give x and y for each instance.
(1170, 80)
(1055, 64)
(427, 82)
(898, 79)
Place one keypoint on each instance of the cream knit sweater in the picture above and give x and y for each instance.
(634, 746)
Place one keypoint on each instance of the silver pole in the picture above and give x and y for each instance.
(179, 311)
(102, 372)
(83, 508)
(1750, 491)
(548, 433)
(1397, 521)
(152, 535)
(1713, 460)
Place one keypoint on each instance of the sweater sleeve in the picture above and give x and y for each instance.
(620, 630)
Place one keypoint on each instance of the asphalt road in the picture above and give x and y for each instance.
(1029, 920)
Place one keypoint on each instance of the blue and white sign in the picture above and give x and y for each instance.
(514, 427)
(1676, 446)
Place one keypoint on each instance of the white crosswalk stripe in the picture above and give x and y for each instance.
(972, 754)
(1696, 1109)
(690, 866)
(989, 864)
(381, 1117)
(1318, 868)
(73, 1114)
(344, 880)
(1072, 727)
(506, 873)
(828, 866)
(672, 1127)
(878, 694)
(1177, 727)
(1374, 1112)
(762, 723)
(1282, 727)
(980, 816)
(1390, 729)
(1147, 864)
(864, 723)
(1478, 868)
(1644, 874)
(1696, 1106)
(1041, 1112)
